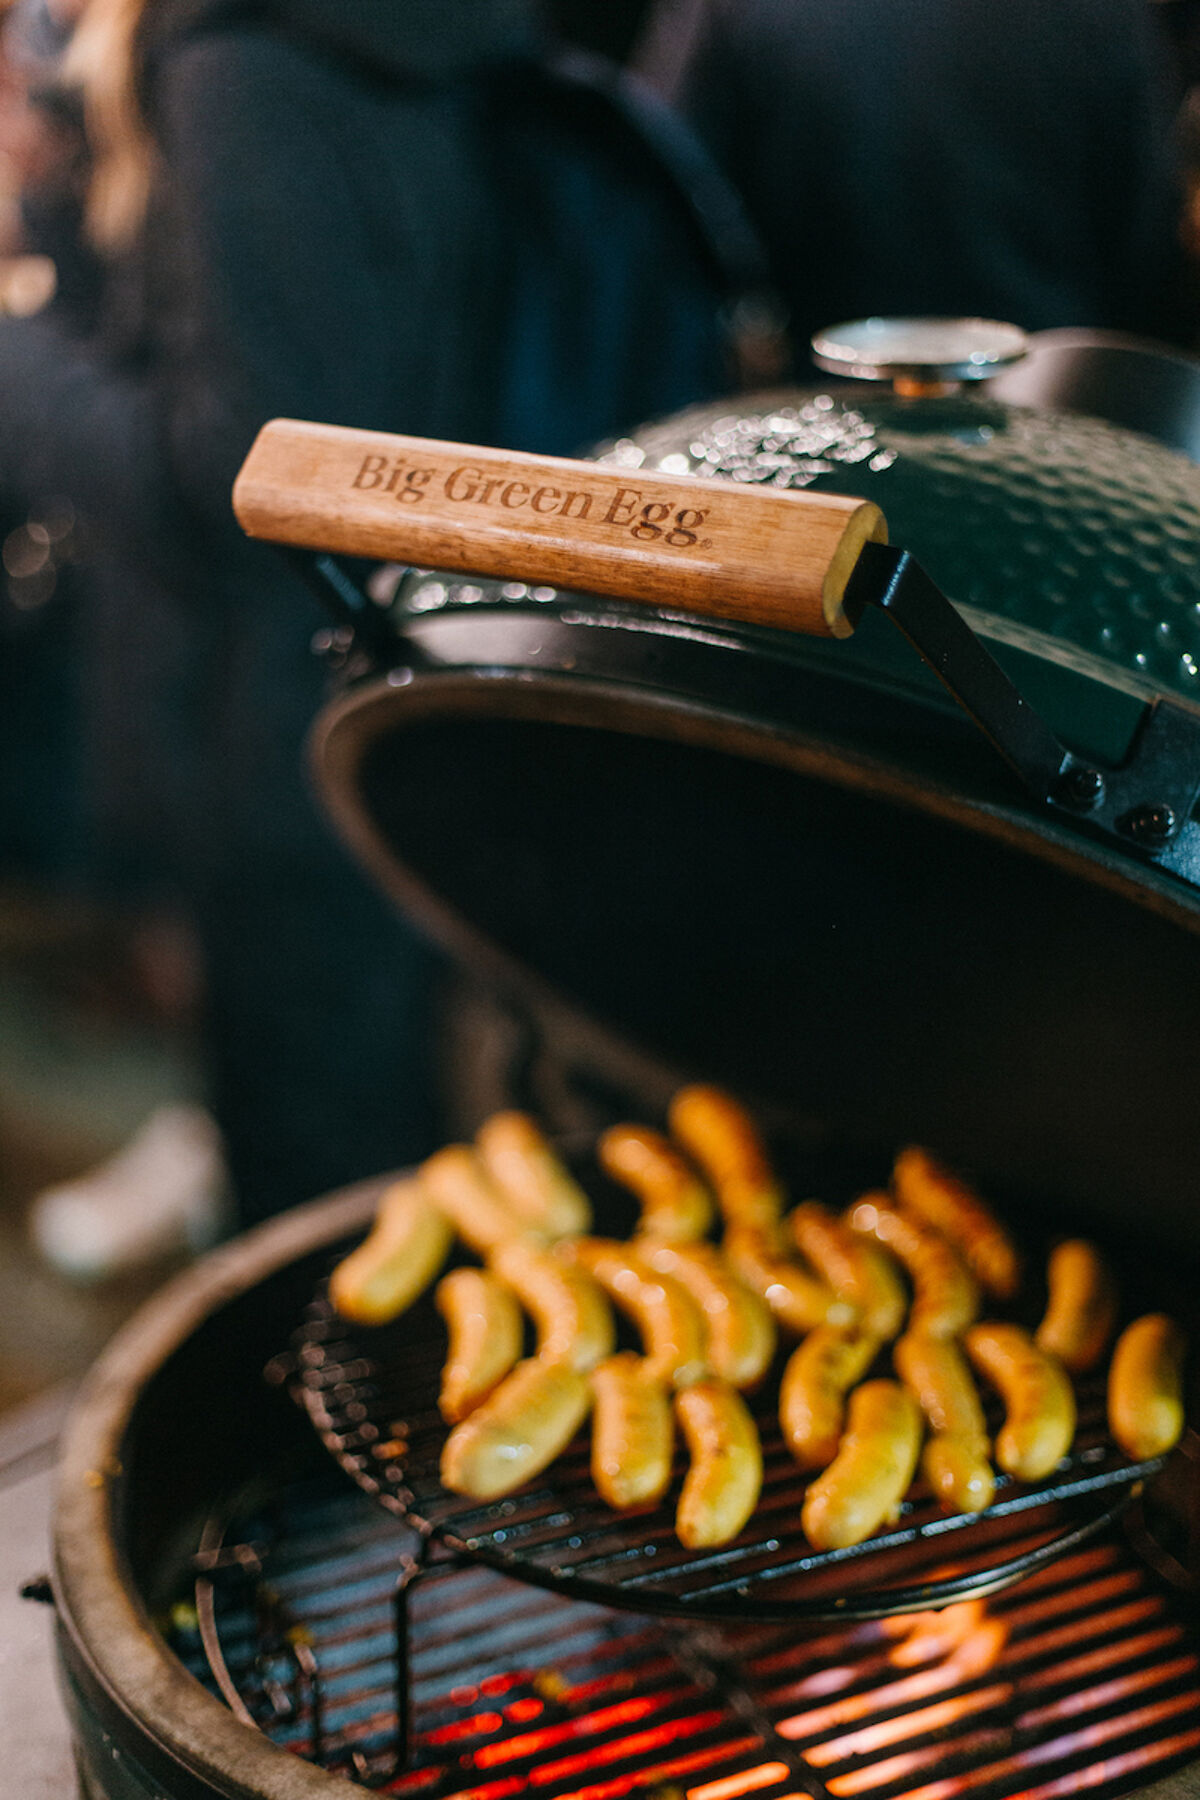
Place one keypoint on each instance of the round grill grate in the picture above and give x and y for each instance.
(372, 1396)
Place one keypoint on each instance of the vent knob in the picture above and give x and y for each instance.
(919, 356)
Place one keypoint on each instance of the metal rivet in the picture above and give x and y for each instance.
(1151, 825)
(1081, 789)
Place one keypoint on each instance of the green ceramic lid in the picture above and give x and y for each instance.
(1072, 542)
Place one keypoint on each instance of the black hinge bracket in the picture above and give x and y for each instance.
(1147, 804)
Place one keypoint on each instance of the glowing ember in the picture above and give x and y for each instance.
(1058, 1749)
(478, 1725)
(584, 1693)
(605, 1718)
(1127, 1649)
(746, 1783)
(1108, 1693)
(1115, 1768)
(521, 1711)
(892, 1769)
(638, 1743)
(637, 1783)
(915, 1724)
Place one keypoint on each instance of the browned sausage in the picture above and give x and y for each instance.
(868, 1478)
(739, 1329)
(1039, 1422)
(406, 1246)
(1145, 1387)
(812, 1393)
(572, 1317)
(1082, 1306)
(667, 1317)
(724, 1478)
(530, 1176)
(485, 1326)
(798, 1299)
(923, 1186)
(958, 1471)
(955, 1457)
(857, 1271)
(945, 1293)
(519, 1429)
(675, 1203)
(721, 1138)
(936, 1373)
(458, 1185)
(632, 1432)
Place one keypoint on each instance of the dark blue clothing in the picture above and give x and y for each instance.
(1005, 158)
(322, 243)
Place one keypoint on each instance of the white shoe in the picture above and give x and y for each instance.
(164, 1192)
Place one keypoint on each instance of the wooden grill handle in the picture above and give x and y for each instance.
(763, 556)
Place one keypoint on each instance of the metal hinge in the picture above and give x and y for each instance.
(1146, 805)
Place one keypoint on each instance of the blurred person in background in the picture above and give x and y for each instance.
(41, 819)
(1003, 158)
(44, 152)
(294, 204)
(608, 27)
(105, 810)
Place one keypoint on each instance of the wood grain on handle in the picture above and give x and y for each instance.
(763, 556)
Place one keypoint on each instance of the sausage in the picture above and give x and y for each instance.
(520, 1428)
(1039, 1402)
(923, 1186)
(530, 1177)
(675, 1203)
(945, 1293)
(739, 1329)
(857, 1271)
(1082, 1306)
(958, 1471)
(665, 1314)
(724, 1478)
(406, 1246)
(571, 1315)
(1145, 1387)
(485, 1326)
(798, 1300)
(868, 1478)
(812, 1393)
(721, 1138)
(955, 1458)
(633, 1431)
(457, 1183)
(937, 1374)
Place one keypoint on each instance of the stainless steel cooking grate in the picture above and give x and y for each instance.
(470, 1679)
(1085, 1679)
(372, 1398)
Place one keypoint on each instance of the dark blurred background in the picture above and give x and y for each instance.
(608, 26)
(98, 1007)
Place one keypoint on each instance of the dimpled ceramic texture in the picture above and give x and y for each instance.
(1062, 524)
